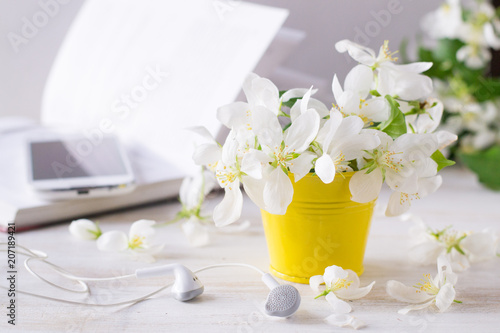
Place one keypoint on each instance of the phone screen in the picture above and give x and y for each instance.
(76, 159)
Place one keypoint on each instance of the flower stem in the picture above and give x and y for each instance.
(174, 220)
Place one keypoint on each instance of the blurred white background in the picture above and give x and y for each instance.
(24, 67)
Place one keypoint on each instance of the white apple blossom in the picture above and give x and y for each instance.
(85, 229)
(399, 162)
(340, 284)
(234, 167)
(210, 152)
(404, 82)
(439, 291)
(400, 202)
(287, 151)
(306, 103)
(424, 117)
(341, 141)
(261, 94)
(460, 247)
(192, 195)
(140, 243)
(352, 100)
(445, 22)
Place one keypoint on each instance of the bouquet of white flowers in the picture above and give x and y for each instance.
(382, 126)
(461, 36)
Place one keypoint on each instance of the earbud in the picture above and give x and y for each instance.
(283, 300)
(186, 285)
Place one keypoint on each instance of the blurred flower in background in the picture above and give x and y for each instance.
(461, 35)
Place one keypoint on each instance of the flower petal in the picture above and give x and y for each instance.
(376, 109)
(302, 165)
(337, 89)
(203, 132)
(339, 306)
(305, 101)
(84, 229)
(264, 93)
(353, 278)
(325, 168)
(445, 272)
(196, 233)
(354, 293)
(315, 281)
(458, 261)
(344, 320)
(302, 131)
(113, 241)
(296, 93)
(254, 188)
(266, 126)
(229, 209)
(399, 203)
(328, 130)
(207, 154)
(404, 293)
(445, 297)
(360, 80)
(350, 125)
(415, 67)
(480, 246)
(142, 228)
(251, 163)
(415, 307)
(353, 146)
(425, 253)
(333, 273)
(278, 192)
(360, 53)
(365, 187)
(233, 115)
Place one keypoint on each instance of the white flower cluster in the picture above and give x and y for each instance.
(472, 108)
(477, 123)
(475, 23)
(382, 125)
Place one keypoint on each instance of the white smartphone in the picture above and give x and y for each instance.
(72, 166)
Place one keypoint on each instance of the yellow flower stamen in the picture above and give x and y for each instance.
(136, 242)
(427, 285)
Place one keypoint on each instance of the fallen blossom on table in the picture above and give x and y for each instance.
(439, 291)
(340, 285)
(140, 242)
(461, 247)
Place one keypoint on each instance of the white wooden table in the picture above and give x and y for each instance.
(233, 297)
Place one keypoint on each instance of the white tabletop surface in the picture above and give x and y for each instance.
(233, 297)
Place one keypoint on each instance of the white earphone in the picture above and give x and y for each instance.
(186, 286)
(282, 301)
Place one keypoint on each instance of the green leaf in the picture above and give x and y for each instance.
(485, 164)
(395, 126)
(441, 161)
(485, 89)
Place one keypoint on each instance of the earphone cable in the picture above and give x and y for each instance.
(42, 257)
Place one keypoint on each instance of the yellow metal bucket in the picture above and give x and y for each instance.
(321, 227)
